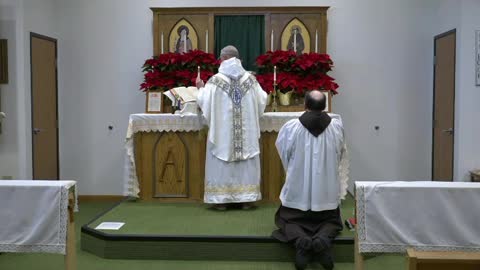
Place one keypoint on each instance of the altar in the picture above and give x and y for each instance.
(165, 158)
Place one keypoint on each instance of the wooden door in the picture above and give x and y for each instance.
(44, 107)
(443, 106)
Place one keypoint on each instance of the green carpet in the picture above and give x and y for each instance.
(87, 261)
(193, 219)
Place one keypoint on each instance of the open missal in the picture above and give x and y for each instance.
(185, 97)
(185, 94)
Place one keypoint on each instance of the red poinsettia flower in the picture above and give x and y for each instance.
(296, 72)
(266, 82)
(170, 70)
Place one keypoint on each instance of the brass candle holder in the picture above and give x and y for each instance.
(274, 94)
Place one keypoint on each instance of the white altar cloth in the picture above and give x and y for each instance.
(269, 122)
(34, 215)
(428, 216)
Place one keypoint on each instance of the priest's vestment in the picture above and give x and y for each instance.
(232, 102)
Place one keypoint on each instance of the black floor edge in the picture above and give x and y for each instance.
(184, 238)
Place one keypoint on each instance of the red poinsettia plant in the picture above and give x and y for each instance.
(300, 73)
(170, 70)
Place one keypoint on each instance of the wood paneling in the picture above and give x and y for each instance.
(313, 22)
(170, 166)
(169, 153)
(442, 260)
(180, 153)
(276, 18)
(273, 175)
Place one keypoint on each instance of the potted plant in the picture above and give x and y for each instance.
(295, 73)
(170, 70)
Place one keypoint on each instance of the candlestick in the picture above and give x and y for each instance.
(274, 74)
(295, 40)
(161, 38)
(271, 41)
(274, 94)
(316, 40)
(206, 41)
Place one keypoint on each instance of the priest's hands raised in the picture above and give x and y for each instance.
(199, 83)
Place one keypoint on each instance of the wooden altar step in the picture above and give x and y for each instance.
(189, 231)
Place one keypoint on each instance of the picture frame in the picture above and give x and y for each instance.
(477, 58)
(154, 102)
(3, 61)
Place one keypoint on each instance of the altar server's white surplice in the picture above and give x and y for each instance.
(316, 167)
(232, 102)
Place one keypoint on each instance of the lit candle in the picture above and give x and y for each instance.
(316, 40)
(161, 38)
(271, 41)
(274, 74)
(206, 41)
(198, 72)
(295, 40)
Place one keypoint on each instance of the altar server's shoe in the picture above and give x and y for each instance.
(303, 255)
(326, 259)
(319, 244)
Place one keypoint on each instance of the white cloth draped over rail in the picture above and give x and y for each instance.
(427, 216)
(269, 122)
(34, 215)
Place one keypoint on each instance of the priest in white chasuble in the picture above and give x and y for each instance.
(232, 102)
(313, 153)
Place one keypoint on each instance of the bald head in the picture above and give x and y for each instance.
(315, 101)
(229, 52)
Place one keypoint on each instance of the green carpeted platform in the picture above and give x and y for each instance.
(88, 261)
(189, 219)
(190, 231)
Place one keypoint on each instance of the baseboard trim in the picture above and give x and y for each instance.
(100, 198)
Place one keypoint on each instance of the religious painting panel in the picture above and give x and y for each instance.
(314, 23)
(183, 37)
(168, 30)
(295, 37)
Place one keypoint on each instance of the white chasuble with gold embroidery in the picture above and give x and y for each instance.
(232, 102)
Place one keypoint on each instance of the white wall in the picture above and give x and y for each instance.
(8, 92)
(20, 17)
(10, 25)
(383, 63)
(382, 51)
